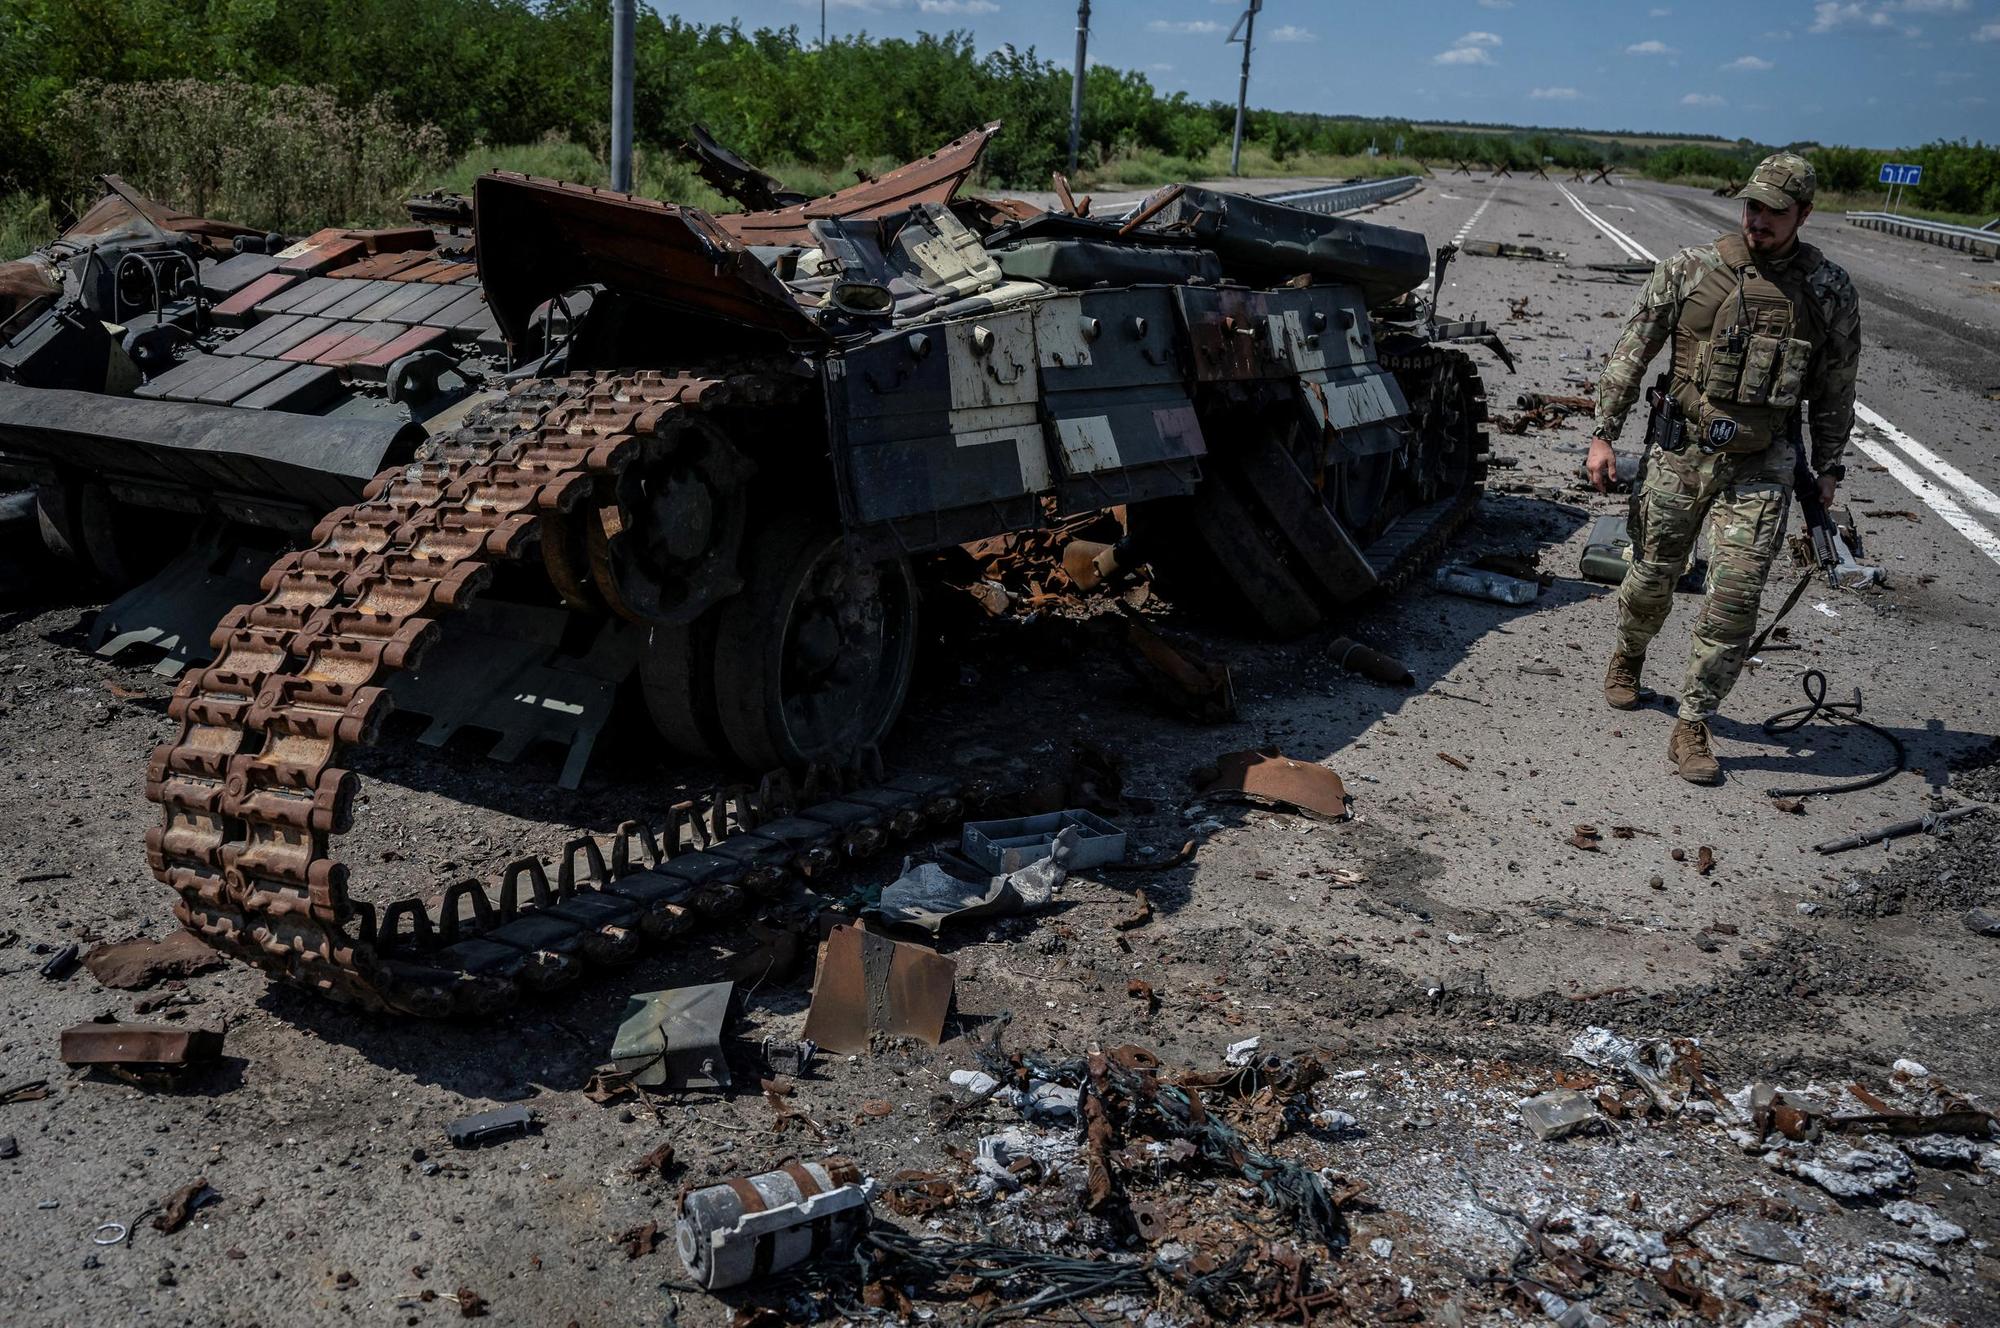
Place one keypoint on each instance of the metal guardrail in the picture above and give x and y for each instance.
(1934, 232)
(1346, 197)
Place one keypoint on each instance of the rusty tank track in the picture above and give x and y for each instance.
(1446, 374)
(252, 792)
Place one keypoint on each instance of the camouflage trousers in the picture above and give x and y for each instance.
(1749, 495)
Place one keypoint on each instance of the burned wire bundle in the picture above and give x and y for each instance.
(1123, 1094)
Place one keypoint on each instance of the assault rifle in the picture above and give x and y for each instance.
(1830, 551)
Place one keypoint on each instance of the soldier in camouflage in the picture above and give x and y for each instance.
(1761, 327)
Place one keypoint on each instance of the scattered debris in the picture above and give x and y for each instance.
(1558, 1114)
(654, 1165)
(139, 1046)
(1266, 778)
(1190, 686)
(1982, 921)
(10, 1148)
(673, 1038)
(178, 1208)
(1471, 583)
(1924, 1220)
(471, 1305)
(1858, 1173)
(136, 965)
(867, 984)
(639, 1240)
(1141, 914)
(1037, 1101)
(60, 964)
(1924, 825)
(1453, 761)
(489, 1127)
(1501, 249)
(1007, 846)
(1370, 663)
(752, 1226)
(1586, 837)
(1704, 860)
(32, 1090)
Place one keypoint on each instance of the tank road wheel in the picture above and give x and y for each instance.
(677, 678)
(663, 544)
(1447, 406)
(120, 544)
(813, 659)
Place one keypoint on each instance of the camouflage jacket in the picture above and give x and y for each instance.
(1829, 386)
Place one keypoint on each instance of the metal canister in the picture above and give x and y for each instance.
(752, 1226)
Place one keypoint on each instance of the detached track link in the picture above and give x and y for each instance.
(252, 791)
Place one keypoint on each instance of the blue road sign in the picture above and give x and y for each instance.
(1895, 174)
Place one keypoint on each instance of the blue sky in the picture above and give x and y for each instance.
(1877, 73)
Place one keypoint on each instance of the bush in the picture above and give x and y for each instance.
(284, 158)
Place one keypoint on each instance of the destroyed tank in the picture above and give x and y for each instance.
(491, 466)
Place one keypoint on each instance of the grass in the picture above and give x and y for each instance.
(1146, 167)
(25, 225)
(654, 174)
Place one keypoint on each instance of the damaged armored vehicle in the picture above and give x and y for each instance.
(492, 466)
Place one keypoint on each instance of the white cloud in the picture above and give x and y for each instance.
(1829, 14)
(1471, 49)
(1291, 32)
(1989, 33)
(1935, 6)
(958, 6)
(1658, 13)
(1749, 64)
(1496, 4)
(1554, 94)
(1160, 69)
(1649, 48)
(1199, 27)
(1702, 99)
(1951, 75)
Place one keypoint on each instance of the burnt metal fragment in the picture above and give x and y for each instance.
(489, 1127)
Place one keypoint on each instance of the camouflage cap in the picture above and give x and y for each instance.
(1780, 180)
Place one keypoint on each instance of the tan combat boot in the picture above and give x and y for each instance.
(1621, 681)
(1688, 750)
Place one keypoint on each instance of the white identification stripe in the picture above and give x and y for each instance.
(1972, 491)
(1933, 497)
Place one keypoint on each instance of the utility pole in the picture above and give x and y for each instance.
(1076, 84)
(1246, 25)
(822, 24)
(621, 94)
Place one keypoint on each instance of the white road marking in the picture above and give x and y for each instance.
(1971, 491)
(1424, 288)
(1942, 499)
(1933, 496)
(1633, 249)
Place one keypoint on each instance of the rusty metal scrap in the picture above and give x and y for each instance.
(1267, 778)
(1197, 688)
(178, 1208)
(868, 984)
(932, 179)
(139, 1045)
(136, 965)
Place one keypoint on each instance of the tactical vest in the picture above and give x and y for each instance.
(1742, 346)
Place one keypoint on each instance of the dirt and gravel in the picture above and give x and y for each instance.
(1438, 954)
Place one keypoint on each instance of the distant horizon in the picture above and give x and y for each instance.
(1904, 72)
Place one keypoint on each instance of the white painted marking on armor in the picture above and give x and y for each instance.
(1971, 491)
(1933, 496)
(1088, 444)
